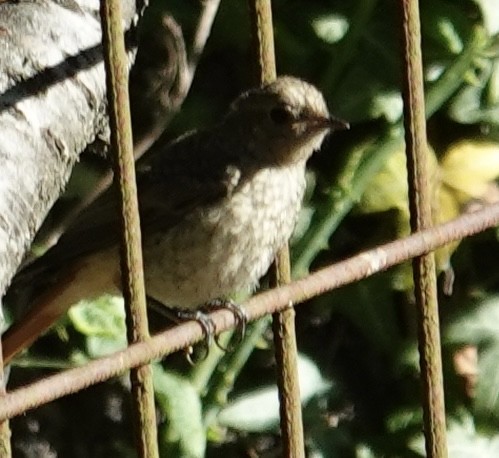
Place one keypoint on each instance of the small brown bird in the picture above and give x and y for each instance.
(215, 206)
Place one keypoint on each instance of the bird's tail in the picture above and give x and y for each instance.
(93, 276)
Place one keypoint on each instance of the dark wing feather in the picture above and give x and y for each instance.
(194, 171)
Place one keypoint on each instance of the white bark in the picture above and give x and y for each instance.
(52, 105)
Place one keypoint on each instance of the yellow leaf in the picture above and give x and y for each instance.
(445, 208)
(468, 167)
(388, 189)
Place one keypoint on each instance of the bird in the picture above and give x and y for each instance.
(215, 206)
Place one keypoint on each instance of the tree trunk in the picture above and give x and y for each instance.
(52, 105)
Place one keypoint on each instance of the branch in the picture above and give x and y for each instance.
(163, 74)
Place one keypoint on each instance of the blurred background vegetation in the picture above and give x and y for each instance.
(359, 363)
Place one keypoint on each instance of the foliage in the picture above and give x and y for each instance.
(357, 344)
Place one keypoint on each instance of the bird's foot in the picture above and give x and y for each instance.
(199, 315)
(180, 315)
(207, 326)
(239, 314)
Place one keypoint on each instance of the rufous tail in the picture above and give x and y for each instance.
(91, 277)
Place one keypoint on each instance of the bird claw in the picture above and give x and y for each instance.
(207, 326)
(239, 314)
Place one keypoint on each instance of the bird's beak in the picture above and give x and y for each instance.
(330, 123)
(337, 124)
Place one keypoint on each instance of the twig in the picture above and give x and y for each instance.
(420, 198)
(159, 81)
(209, 9)
(356, 268)
(115, 60)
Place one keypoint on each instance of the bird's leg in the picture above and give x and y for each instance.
(206, 324)
(201, 318)
(239, 314)
(178, 315)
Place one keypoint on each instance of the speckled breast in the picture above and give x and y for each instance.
(226, 247)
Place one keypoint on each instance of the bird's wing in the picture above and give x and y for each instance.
(192, 172)
(171, 181)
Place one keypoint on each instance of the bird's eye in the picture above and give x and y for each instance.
(281, 115)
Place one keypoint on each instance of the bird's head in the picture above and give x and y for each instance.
(284, 121)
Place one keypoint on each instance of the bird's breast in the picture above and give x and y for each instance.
(227, 247)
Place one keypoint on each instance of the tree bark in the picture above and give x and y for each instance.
(52, 106)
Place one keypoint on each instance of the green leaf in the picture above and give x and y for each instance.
(480, 327)
(487, 389)
(330, 27)
(104, 316)
(445, 27)
(181, 433)
(464, 441)
(478, 101)
(388, 188)
(102, 321)
(490, 13)
(258, 410)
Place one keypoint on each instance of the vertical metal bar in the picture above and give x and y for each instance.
(283, 323)
(420, 195)
(131, 252)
